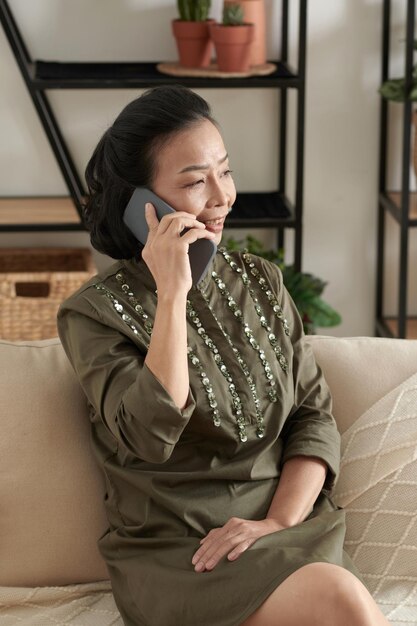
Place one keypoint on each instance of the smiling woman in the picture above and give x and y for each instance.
(193, 175)
(209, 415)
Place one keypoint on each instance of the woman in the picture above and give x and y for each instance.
(210, 417)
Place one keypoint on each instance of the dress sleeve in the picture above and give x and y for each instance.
(134, 405)
(310, 429)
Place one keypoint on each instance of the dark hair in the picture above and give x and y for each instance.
(125, 158)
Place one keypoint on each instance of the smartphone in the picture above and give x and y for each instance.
(200, 252)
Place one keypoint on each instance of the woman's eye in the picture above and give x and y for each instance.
(195, 183)
(227, 172)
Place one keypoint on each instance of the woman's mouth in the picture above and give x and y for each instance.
(215, 226)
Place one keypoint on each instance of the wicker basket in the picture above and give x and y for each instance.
(33, 283)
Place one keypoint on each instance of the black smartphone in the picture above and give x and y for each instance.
(200, 252)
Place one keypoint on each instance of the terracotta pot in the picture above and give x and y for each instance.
(232, 45)
(193, 42)
(254, 13)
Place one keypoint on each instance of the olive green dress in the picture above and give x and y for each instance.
(256, 399)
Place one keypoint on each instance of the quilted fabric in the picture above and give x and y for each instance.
(90, 604)
(378, 489)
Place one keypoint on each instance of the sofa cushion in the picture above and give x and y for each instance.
(361, 370)
(378, 488)
(51, 511)
(88, 604)
(51, 491)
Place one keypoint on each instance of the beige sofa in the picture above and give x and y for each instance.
(51, 511)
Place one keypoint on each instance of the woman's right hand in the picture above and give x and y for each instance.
(166, 250)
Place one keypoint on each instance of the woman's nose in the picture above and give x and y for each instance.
(218, 196)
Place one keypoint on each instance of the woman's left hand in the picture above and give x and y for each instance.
(236, 536)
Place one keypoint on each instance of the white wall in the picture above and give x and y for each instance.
(341, 124)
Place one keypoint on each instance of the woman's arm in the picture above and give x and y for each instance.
(302, 478)
(140, 389)
(167, 352)
(166, 254)
(300, 483)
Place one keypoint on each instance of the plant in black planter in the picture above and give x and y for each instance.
(304, 288)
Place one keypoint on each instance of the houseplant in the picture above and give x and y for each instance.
(191, 32)
(232, 39)
(305, 289)
(394, 90)
(254, 13)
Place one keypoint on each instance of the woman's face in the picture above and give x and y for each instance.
(192, 174)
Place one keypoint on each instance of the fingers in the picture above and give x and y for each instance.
(179, 221)
(242, 547)
(151, 217)
(218, 545)
(175, 224)
(167, 246)
(233, 538)
(193, 234)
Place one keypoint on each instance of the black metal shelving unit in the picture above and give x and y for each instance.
(252, 210)
(400, 204)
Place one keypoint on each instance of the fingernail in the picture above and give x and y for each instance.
(199, 567)
(147, 207)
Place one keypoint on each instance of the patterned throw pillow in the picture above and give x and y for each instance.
(378, 488)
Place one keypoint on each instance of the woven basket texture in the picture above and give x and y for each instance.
(33, 283)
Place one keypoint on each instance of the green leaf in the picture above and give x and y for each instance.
(304, 288)
(322, 313)
(393, 90)
(413, 93)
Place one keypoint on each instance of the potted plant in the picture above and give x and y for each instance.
(254, 13)
(232, 39)
(394, 90)
(191, 32)
(305, 289)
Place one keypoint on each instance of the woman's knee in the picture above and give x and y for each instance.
(319, 594)
(337, 585)
(340, 595)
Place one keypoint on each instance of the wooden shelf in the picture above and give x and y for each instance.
(411, 332)
(395, 196)
(50, 213)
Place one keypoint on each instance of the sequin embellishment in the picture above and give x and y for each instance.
(236, 400)
(271, 298)
(149, 327)
(276, 307)
(118, 307)
(272, 394)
